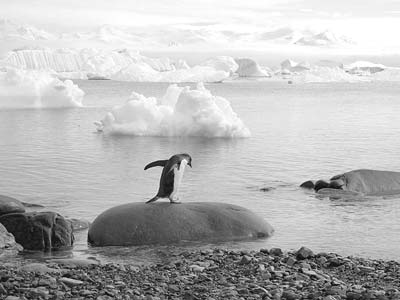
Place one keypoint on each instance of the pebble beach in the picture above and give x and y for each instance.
(207, 274)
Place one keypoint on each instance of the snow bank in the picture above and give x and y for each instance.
(180, 112)
(249, 68)
(31, 89)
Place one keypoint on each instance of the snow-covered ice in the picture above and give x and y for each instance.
(33, 89)
(180, 112)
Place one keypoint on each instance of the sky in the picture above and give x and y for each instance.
(83, 14)
(370, 21)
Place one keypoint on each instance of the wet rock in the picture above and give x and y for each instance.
(307, 184)
(10, 205)
(47, 230)
(321, 184)
(7, 241)
(304, 253)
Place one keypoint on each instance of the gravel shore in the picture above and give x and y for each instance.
(208, 274)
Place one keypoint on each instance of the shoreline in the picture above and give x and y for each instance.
(207, 274)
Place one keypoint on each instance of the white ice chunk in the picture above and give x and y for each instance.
(32, 89)
(181, 112)
(249, 68)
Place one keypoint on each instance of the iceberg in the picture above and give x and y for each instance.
(326, 74)
(180, 112)
(124, 65)
(292, 66)
(249, 68)
(141, 72)
(32, 89)
(222, 63)
(364, 68)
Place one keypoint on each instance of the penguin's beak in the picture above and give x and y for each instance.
(190, 164)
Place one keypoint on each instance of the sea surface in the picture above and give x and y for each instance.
(56, 158)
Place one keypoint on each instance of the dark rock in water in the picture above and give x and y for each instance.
(165, 223)
(336, 184)
(307, 184)
(321, 184)
(7, 240)
(266, 189)
(43, 231)
(10, 205)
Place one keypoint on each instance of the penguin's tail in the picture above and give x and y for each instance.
(153, 199)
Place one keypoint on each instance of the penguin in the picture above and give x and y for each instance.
(171, 176)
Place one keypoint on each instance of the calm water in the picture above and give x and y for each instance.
(299, 132)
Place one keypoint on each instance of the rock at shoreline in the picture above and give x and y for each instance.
(165, 223)
(10, 205)
(44, 231)
(7, 240)
(359, 182)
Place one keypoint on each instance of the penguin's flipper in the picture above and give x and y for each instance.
(157, 163)
(153, 199)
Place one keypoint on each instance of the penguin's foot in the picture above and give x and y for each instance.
(174, 200)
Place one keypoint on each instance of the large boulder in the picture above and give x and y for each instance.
(44, 231)
(10, 205)
(370, 182)
(165, 223)
(363, 181)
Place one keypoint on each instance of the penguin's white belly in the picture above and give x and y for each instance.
(178, 175)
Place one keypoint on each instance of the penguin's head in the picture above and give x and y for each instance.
(187, 157)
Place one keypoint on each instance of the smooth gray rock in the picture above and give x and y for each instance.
(370, 182)
(10, 205)
(166, 223)
(44, 231)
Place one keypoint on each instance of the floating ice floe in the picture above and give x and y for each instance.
(180, 112)
(32, 89)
